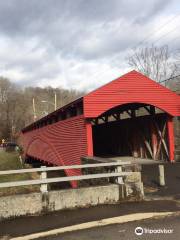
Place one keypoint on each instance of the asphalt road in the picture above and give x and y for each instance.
(127, 231)
(150, 178)
(27, 225)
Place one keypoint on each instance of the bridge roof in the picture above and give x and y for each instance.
(132, 87)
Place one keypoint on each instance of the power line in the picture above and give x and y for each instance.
(173, 51)
(146, 38)
(165, 34)
(169, 78)
(160, 28)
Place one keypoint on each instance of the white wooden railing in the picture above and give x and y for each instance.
(43, 181)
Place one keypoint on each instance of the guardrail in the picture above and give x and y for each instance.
(43, 181)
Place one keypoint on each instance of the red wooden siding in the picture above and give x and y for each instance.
(61, 143)
(171, 138)
(132, 87)
(66, 141)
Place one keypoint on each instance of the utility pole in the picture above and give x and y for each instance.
(55, 101)
(34, 110)
(12, 130)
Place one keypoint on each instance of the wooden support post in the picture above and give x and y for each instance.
(152, 110)
(93, 121)
(170, 130)
(106, 118)
(154, 140)
(103, 119)
(129, 113)
(133, 113)
(89, 139)
(161, 175)
(43, 187)
(147, 109)
(97, 121)
(115, 116)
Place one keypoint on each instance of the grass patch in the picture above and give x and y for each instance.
(11, 161)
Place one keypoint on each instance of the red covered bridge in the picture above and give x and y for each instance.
(130, 116)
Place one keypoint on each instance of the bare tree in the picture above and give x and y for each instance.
(16, 110)
(154, 62)
(177, 61)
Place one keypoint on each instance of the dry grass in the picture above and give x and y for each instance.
(10, 161)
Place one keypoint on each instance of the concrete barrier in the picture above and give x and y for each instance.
(37, 203)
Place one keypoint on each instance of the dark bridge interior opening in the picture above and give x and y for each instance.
(142, 136)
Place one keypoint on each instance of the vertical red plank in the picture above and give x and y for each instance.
(154, 140)
(170, 130)
(89, 139)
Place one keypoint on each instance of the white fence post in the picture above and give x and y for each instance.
(161, 175)
(119, 179)
(43, 187)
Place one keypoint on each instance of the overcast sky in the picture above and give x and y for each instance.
(79, 44)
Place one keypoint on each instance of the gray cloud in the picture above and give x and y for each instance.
(62, 42)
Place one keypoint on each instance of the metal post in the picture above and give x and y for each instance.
(161, 175)
(43, 187)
